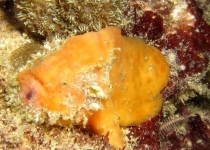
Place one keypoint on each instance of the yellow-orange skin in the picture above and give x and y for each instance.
(129, 73)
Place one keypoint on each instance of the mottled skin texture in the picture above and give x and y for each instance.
(102, 76)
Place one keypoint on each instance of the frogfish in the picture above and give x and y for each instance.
(101, 80)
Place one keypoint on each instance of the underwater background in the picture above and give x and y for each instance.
(30, 30)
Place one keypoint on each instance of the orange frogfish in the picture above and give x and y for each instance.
(102, 80)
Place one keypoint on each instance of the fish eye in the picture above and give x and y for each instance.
(29, 95)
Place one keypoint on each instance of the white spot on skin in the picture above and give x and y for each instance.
(145, 58)
(94, 106)
(96, 91)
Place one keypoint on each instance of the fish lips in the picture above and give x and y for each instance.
(31, 90)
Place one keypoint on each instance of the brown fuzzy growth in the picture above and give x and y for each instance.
(64, 18)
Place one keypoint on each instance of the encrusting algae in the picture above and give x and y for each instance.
(100, 79)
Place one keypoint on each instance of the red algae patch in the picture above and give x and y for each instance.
(101, 80)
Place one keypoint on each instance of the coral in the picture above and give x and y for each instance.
(103, 84)
(205, 6)
(65, 18)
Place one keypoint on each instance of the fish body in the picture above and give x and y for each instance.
(100, 79)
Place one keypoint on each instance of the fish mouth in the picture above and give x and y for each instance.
(31, 90)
